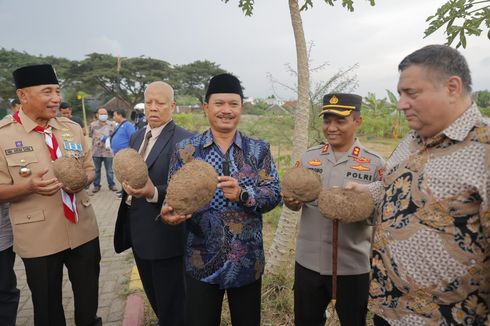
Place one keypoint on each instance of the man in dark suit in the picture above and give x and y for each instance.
(158, 248)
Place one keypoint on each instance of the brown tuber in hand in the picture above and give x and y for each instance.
(301, 184)
(130, 167)
(192, 187)
(347, 206)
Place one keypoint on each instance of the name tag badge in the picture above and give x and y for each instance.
(23, 149)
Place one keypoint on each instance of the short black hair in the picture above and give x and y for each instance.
(442, 60)
(121, 112)
(14, 102)
(65, 105)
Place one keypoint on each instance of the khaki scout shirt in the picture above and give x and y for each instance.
(38, 222)
(314, 244)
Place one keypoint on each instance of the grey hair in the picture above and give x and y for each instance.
(442, 60)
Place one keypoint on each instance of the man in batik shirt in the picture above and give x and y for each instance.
(224, 249)
(430, 262)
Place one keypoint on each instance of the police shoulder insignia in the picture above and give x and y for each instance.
(360, 168)
(356, 151)
(315, 162)
(325, 148)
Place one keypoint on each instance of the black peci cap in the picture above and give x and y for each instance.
(35, 75)
(224, 83)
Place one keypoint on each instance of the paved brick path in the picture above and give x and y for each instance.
(114, 273)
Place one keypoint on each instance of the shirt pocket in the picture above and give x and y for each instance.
(22, 159)
(28, 217)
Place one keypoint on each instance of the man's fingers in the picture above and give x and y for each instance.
(49, 190)
(41, 173)
(45, 183)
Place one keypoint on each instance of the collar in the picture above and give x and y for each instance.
(209, 139)
(458, 130)
(155, 132)
(354, 150)
(29, 124)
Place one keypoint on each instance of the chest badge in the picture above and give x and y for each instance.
(362, 159)
(24, 171)
(315, 162)
(360, 168)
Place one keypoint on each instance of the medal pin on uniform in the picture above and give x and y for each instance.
(24, 171)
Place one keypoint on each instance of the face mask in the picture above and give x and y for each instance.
(103, 117)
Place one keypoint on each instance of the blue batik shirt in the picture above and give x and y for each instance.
(224, 240)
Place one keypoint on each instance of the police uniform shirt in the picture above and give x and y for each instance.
(314, 244)
(39, 225)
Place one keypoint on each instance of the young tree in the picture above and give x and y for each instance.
(287, 222)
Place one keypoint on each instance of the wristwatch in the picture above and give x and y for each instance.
(244, 196)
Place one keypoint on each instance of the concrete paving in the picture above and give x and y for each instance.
(114, 273)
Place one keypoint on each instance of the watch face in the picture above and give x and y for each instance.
(244, 196)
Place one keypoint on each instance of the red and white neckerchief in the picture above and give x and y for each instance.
(69, 200)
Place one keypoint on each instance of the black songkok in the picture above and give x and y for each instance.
(224, 83)
(35, 75)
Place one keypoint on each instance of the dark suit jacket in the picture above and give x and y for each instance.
(136, 226)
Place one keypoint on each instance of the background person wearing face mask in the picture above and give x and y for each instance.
(100, 131)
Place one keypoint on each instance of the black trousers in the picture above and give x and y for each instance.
(45, 277)
(378, 321)
(313, 292)
(163, 282)
(204, 302)
(9, 294)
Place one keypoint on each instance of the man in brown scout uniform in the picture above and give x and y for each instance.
(52, 225)
(341, 160)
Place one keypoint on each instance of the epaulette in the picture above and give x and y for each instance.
(65, 120)
(6, 121)
(373, 153)
(314, 148)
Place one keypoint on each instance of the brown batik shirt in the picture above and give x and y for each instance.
(430, 263)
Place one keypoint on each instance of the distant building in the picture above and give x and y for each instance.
(115, 103)
(277, 109)
(274, 101)
(290, 105)
(188, 108)
(249, 100)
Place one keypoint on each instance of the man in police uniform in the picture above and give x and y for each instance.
(52, 224)
(341, 160)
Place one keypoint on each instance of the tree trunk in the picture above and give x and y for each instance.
(286, 228)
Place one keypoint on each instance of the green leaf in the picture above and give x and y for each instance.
(462, 38)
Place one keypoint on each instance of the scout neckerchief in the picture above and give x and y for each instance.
(69, 200)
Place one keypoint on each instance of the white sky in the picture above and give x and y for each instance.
(182, 31)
